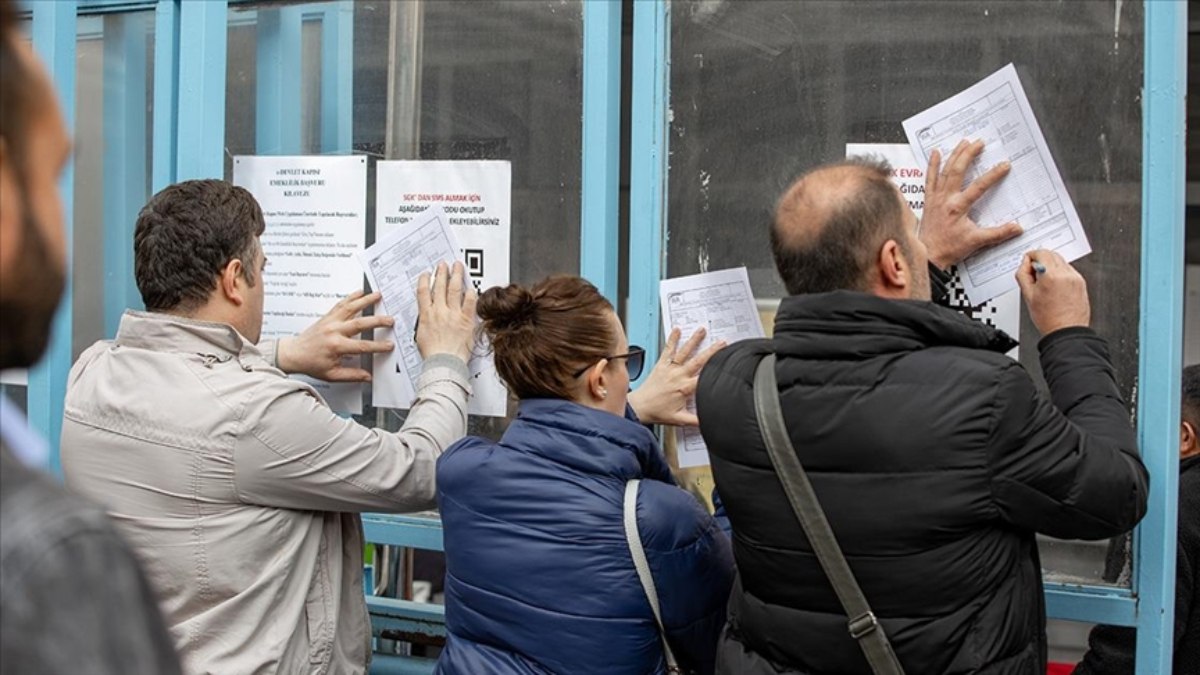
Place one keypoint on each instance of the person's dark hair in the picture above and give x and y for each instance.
(544, 334)
(17, 85)
(186, 234)
(1191, 396)
(844, 248)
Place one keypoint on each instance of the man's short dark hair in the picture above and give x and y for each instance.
(1191, 396)
(17, 100)
(846, 246)
(186, 234)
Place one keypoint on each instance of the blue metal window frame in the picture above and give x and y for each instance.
(189, 95)
(1148, 605)
(54, 35)
(601, 146)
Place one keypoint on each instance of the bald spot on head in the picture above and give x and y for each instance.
(803, 212)
(832, 224)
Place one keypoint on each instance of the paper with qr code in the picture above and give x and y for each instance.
(722, 303)
(476, 198)
(1002, 312)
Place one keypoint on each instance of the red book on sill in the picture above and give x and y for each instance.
(1060, 668)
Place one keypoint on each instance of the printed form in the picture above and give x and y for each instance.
(997, 111)
(393, 266)
(722, 303)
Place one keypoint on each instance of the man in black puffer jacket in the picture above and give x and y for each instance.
(935, 457)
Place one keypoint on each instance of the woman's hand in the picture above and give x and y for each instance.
(664, 395)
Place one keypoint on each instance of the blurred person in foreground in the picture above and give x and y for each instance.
(1112, 649)
(539, 572)
(935, 457)
(72, 597)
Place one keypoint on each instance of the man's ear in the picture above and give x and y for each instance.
(1188, 443)
(232, 282)
(893, 267)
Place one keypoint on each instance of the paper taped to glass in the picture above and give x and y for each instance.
(996, 111)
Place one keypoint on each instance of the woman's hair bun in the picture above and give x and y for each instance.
(507, 308)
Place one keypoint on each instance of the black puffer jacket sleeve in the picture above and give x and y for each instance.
(1067, 467)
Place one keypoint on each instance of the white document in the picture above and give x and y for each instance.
(475, 198)
(315, 212)
(1003, 311)
(17, 377)
(721, 302)
(394, 264)
(1033, 194)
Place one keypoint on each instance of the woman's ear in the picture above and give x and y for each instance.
(597, 380)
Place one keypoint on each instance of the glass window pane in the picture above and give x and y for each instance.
(112, 143)
(494, 80)
(762, 91)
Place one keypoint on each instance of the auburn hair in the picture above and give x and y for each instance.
(544, 334)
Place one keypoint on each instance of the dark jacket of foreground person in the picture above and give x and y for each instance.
(936, 459)
(539, 578)
(72, 597)
(1111, 649)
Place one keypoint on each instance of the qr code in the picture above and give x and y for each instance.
(473, 259)
(956, 298)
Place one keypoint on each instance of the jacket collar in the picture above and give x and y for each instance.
(588, 440)
(850, 324)
(176, 334)
(1189, 464)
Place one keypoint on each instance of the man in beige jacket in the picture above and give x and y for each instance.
(237, 486)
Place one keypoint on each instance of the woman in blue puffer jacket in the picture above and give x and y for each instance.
(539, 574)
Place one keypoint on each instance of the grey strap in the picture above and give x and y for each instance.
(863, 626)
(634, 539)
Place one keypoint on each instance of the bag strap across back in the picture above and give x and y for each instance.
(863, 625)
(634, 538)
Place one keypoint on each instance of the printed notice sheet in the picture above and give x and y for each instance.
(997, 111)
(315, 212)
(475, 200)
(723, 304)
(1003, 311)
(394, 264)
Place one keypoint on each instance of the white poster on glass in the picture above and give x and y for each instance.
(315, 212)
(722, 303)
(475, 199)
(996, 111)
(1003, 311)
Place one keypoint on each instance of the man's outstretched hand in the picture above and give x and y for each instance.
(318, 351)
(946, 226)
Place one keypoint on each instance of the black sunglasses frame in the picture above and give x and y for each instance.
(635, 362)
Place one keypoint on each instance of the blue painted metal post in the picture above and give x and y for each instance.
(277, 118)
(54, 26)
(166, 94)
(599, 227)
(1161, 330)
(648, 169)
(200, 148)
(337, 78)
(124, 158)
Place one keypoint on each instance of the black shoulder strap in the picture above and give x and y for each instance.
(863, 625)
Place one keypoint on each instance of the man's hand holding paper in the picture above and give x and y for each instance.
(946, 226)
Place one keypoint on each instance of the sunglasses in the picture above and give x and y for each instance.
(635, 358)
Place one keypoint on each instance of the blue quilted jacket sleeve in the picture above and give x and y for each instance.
(692, 565)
